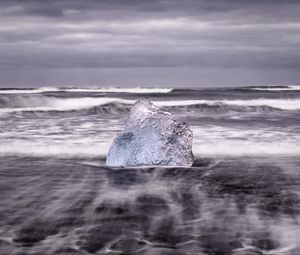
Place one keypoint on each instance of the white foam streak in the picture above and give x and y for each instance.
(221, 148)
(60, 150)
(58, 104)
(290, 87)
(284, 104)
(213, 146)
(28, 91)
(225, 141)
(87, 90)
(227, 148)
(121, 90)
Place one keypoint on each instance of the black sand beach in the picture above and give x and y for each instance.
(241, 196)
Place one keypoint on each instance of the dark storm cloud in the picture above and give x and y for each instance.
(121, 34)
(60, 8)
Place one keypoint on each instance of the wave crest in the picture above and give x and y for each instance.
(136, 90)
(30, 103)
(275, 88)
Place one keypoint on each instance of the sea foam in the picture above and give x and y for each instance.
(69, 104)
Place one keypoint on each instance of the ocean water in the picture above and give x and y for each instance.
(241, 196)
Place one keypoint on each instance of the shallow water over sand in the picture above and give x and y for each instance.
(218, 206)
(241, 197)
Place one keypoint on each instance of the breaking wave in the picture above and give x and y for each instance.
(41, 103)
(31, 103)
(116, 107)
(28, 91)
(276, 88)
(121, 90)
(281, 104)
(87, 90)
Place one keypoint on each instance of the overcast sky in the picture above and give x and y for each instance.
(149, 42)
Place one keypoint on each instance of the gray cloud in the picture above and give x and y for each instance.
(119, 37)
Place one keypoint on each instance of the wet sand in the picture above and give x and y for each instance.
(218, 206)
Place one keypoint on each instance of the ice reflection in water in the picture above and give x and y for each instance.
(219, 206)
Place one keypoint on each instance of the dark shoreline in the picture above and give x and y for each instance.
(230, 206)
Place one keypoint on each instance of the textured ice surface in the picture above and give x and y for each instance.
(151, 137)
